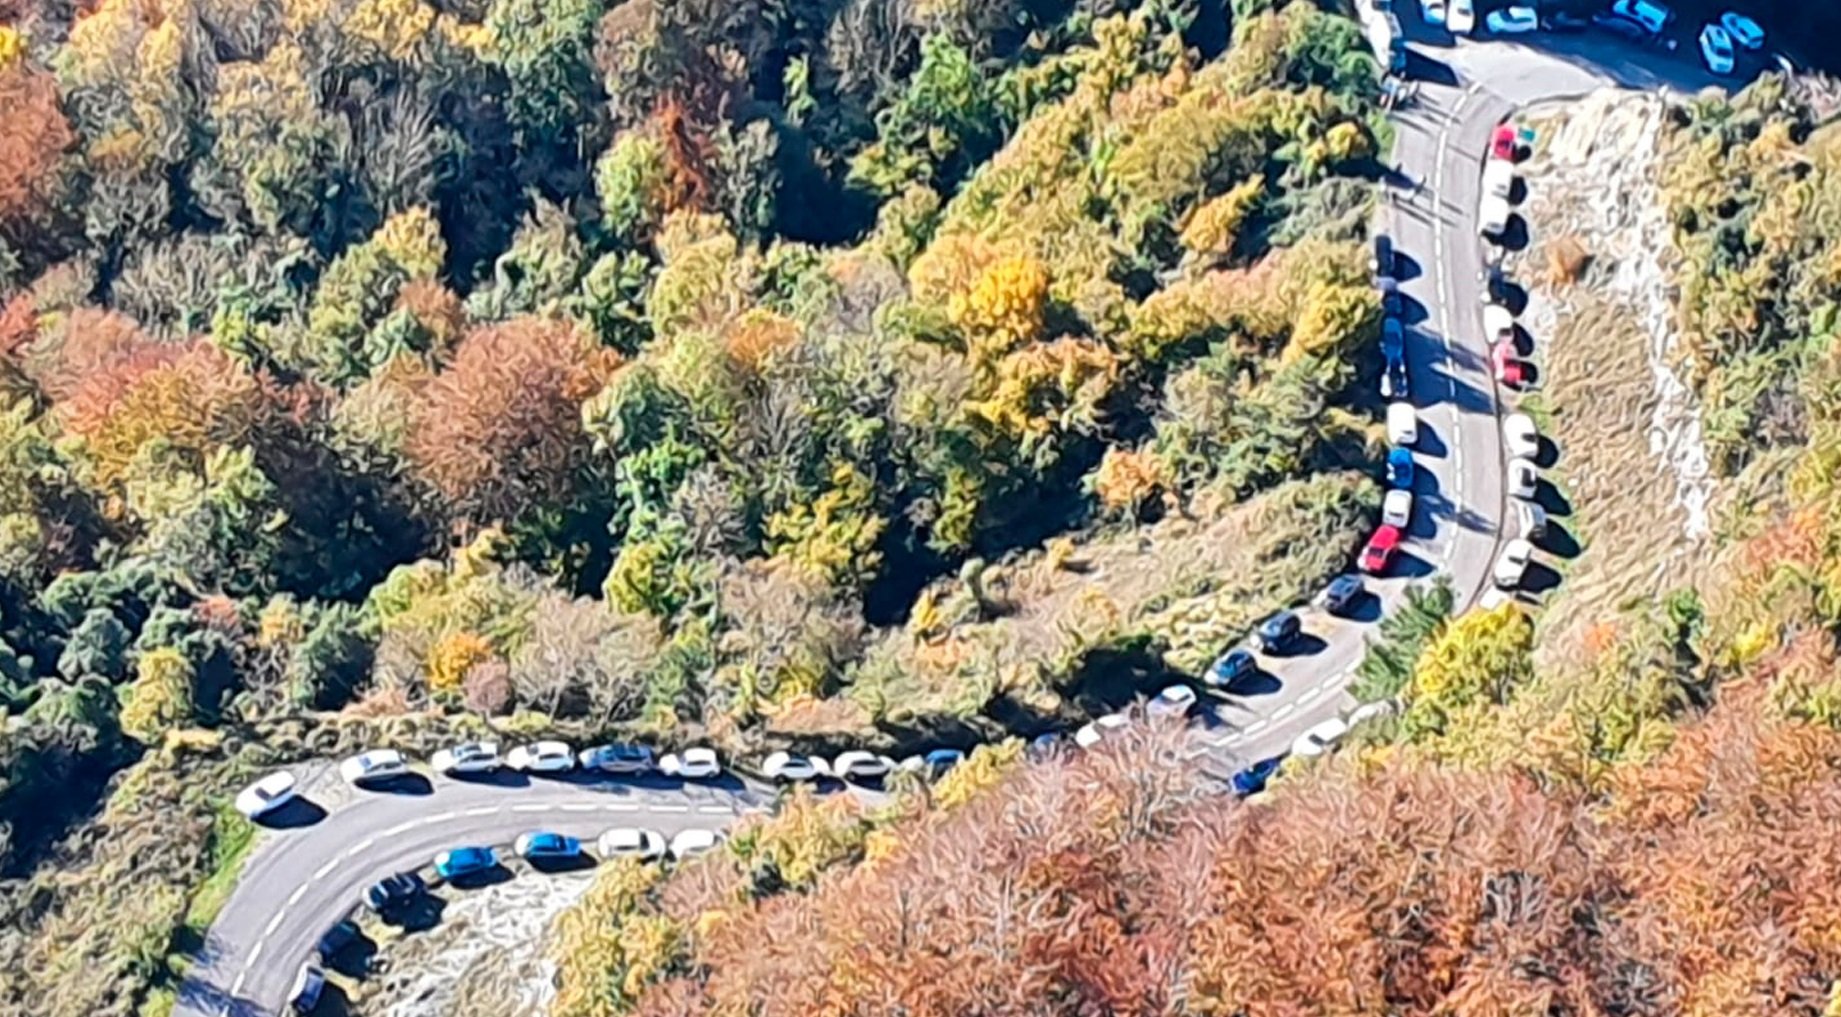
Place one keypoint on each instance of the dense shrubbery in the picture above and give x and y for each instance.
(726, 369)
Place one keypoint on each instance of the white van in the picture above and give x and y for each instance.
(1402, 425)
(1493, 216)
(1499, 178)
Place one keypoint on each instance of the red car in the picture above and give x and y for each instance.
(1505, 143)
(1380, 550)
(1509, 370)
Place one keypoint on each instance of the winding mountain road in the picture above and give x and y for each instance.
(299, 882)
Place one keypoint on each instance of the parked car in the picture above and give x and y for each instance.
(1461, 17)
(468, 757)
(1252, 780)
(309, 984)
(1433, 11)
(1277, 633)
(542, 757)
(861, 764)
(1090, 733)
(1393, 337)
(1716, 50)
(1509, 369)
(1512, 564)
(1743, 30)
(545, 844)
(1521, 436)
(1320, 739)
(933, 763)
(1231, 668)
(1397, 508)
(1342, 594)
(373, 766)
(1392, 303)
(698, 763)
(694, 842)
(1502, 143)
(1493, 216)
(1652, 17)
(631, 842)
(1530, 520)
(333, 942)
(1378, 554)
(1395, 382)
(1524, 479)
(1402, 424)
(1173, 701)
(267, 795)
(1400, 468)
(1369, 712)
(1512, 21)
(789, 768)
(1499, 179)
(618, 757)
(393, 891)
(459, 863)
(1499, 325)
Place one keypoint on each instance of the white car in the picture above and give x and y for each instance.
(1402, 425)
(1512, 21)
(377, 764)
(1716, 49)
(1521, 436)
(1370, 712)
(788, 768)
(1512, 564)
(859, 764)
(542, 757)
(631, 842)
(618, 758)
(1320, 739)
(1461, 17)
(694, 842)
(267, 795)
(1743, 30)
(1433, 11)
(1089, 735)
(1524, 477)
(1493, 216)
(1397, 509)
(1498, 323)
(1174, 701)
(468, 757)
(1530, 520)
(1499, 178)
(692, 764)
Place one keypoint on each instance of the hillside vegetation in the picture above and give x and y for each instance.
(1645, 831)
(847, 372)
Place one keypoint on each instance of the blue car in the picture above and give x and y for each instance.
(547, 845)
(467, 861)
(1231, 667)
(1400, 469)
(1252, 780)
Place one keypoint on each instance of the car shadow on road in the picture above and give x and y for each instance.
(1366, 608)
(412, 785)
(1464, 395)
(1420, 67)
(1549, 497)
(1559, 542)
(1439, 507)
(333, 1003)
(354, 959)
(294, 815)
(553, 866)
(1259, 683)
(1304, 644)
(1515, 235)
(477, 880)
(1430, 445)
(502, 777)
(1548, 454)
(1539, 578)
(421, 912)
(1406, 267)
(205, 996)
(1410, 566)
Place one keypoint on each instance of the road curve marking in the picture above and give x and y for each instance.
(326, 870)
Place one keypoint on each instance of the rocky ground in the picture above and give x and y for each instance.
(1610, 395)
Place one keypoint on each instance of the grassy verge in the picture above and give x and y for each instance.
(231, 838)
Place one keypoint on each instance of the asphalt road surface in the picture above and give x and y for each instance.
(301, 881)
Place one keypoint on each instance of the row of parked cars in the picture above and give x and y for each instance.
(380, 766)
(1720, 39)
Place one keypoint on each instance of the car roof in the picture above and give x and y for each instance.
(1385, 537)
